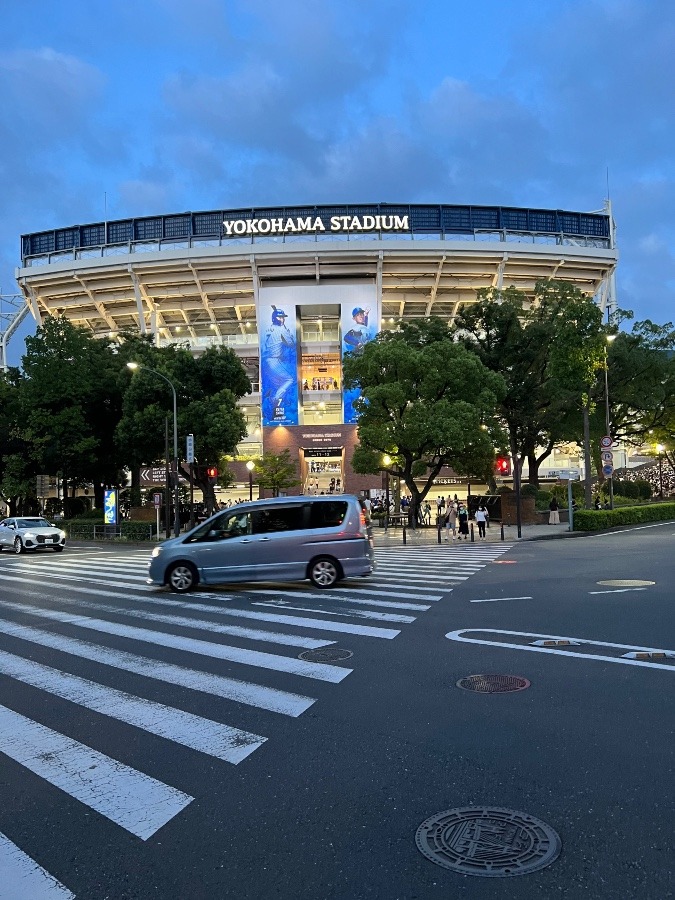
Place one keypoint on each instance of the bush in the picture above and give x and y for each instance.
(83, 529)
(644, 489)
(596, 519)
(529, 490)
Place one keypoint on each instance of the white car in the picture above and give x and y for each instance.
(30, 533)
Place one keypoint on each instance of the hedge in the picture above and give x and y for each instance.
(83, 530)
(596, 519)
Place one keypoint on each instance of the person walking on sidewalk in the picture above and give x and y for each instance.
(553, 515)
(450, 522)
(481, 519)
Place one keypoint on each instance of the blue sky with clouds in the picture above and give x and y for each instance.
(163, 106)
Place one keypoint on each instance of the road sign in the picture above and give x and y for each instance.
(568, 474)
(157, 499)
(606, 442)
(190, 448)
(607, 470)
(607, 456)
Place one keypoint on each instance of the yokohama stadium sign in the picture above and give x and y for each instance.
(313, 224)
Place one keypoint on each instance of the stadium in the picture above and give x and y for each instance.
(291, 289)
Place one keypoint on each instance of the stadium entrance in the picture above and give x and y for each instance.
(322, 470)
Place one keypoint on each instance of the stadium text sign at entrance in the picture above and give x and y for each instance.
(301, 225)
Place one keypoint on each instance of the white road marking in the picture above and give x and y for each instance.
(618, 591)
(297, 621)
(256, 695)
(637, 528)
(457, 636)
(131, 799)
(495, 599)
(333, 595)
(221, 741)
(320, 671)
(24, 879)
(403, 594)
(79, 578)
(363, 614)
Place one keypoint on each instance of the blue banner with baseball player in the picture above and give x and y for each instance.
(360, 324)
(277, 327)
(110, 508)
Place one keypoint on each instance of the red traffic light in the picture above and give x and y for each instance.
(503, 465)
(212, 472)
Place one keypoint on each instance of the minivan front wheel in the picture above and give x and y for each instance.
(182, 577)
(324, 572)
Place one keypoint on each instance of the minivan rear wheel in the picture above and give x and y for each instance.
(324, 572)
(182, 577)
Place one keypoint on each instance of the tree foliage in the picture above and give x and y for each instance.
(276, 472)
(424, 401)
(547, 353)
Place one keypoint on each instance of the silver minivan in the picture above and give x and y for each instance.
(285, 539)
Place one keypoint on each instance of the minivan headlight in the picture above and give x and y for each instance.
(156, 551)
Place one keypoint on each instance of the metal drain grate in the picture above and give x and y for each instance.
(488, 841)
(493, 684)
(325, 654)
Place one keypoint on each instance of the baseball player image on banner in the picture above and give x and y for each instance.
(357, 330)
(278, 363)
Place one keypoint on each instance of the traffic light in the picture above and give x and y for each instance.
(503, 466)
(212, 472)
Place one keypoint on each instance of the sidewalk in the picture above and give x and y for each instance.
(393, 537)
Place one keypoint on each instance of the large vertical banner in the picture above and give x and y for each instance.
(360, 320)
(277, 328)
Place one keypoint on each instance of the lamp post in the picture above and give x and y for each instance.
(610, 338)
(176, 519)
(250, 465)
(387, 462)
(659, 449)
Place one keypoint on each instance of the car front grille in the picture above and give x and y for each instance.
(56, 537)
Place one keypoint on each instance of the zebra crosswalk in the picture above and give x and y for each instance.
(72, 626)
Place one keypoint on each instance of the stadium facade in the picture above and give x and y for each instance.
(291, 289)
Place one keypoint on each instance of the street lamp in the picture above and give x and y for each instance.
(176, 521)
(659, 449)
(250, 465)
(609, 338)
(387, 462)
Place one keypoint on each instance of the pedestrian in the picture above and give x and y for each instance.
(553, 515)
(463, 517)
(450, 522)
(481, 519)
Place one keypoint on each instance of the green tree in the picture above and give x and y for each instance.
(276, 472)
(547, 352)
(425, 399)
(207, 389)
(17, 466)
(71, 403)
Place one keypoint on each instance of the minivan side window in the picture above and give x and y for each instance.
(223, 527)
(279, 518)
(327, 513)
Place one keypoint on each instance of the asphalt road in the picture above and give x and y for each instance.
(190, 758)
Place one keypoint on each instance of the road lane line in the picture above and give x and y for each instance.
(267, 698)
(224, 742)
(457, 636)
(618, 591)
(495, 599)
(362, 614)
(256, 658)
(24, 879)
(134, 801)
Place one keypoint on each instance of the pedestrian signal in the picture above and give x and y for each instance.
(503, 466)
(212, 472)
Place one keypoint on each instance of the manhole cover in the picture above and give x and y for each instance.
(493, 684)
(626, 582)
(325, 654)
(488, 841)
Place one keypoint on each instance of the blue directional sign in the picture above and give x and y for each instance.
(607, 471)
